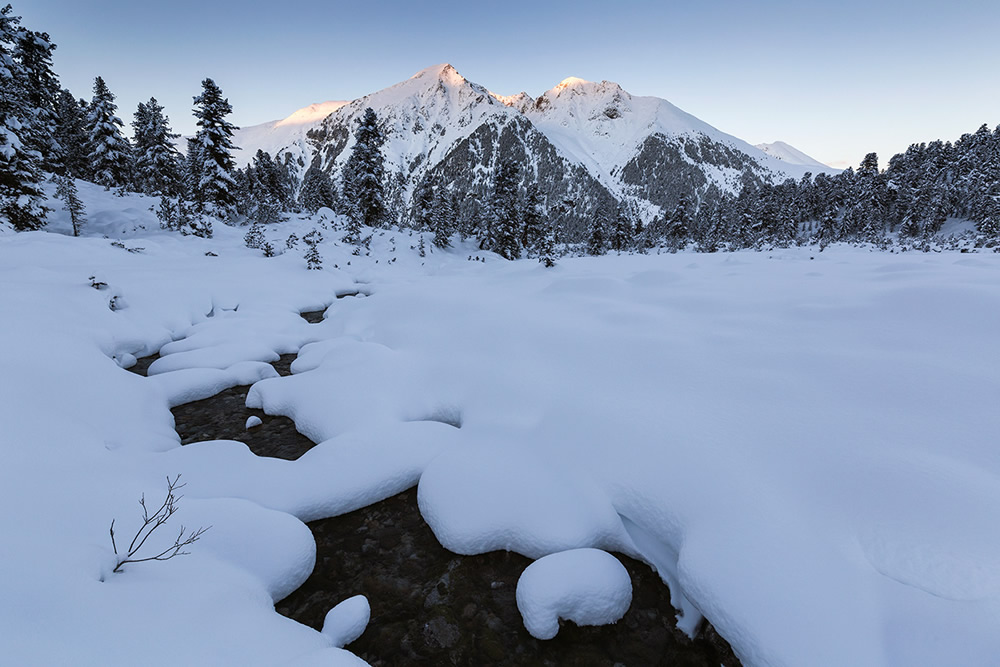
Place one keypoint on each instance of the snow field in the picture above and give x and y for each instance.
(801, 443)
(586, 586)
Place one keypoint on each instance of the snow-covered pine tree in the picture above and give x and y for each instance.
(266, 189)
(423, 205)
(193, 222)
(504, 235)
(254, 238)
(597, 235)
(33, 51)
(365, 170)
(66, 190)
(314, 261)
(546, 243)
(317, 190)
(443, 221)
(533, 217)
(110, 153)
(71, 134)
(167, 214)
(157, 162)
(212, 161)
(621, 234)
(989, 226)
(680, 221)
(21, 197)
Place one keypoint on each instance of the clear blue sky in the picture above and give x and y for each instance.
(834, 79)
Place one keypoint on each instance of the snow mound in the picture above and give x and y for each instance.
(346, 621)
(586, 586)
(486, 498)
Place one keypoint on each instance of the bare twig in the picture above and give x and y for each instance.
(150, 522)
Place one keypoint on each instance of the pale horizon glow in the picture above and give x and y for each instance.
(835, 81)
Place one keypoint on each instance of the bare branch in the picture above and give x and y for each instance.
(150, 522)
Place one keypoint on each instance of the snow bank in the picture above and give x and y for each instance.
(586, 586)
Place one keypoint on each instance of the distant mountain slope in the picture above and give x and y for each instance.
(279, 137)
(792, 155)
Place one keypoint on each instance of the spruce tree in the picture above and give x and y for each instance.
(364, 174)
(314, 260)
(71, 134)
(546, 243)
(33, 52)
(110, 154)
(680, 221)
(423, 204)
(157, 162)
(443, 220)
(317, 190)
(597, 235)
(211, 163)
(21, 197)
(66, 190)
(621, 234)
(254, 238)
(533, 218)
(504, 232)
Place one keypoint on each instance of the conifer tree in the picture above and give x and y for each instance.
(33, 52)
(193, 222)
(254, 238)
(680, 220)
(423, 205)
(167, 214)
(71, 134)
(597, 235)
(442, 218)
(546, 243)
(621, 234)
(66, 190)
(268, 182)
(364, 173)
(211, 163)
(21, 197)
(317, 190)
(157, 162)
(110, 154)
(504, 234)
(533, 218)
(314, 261)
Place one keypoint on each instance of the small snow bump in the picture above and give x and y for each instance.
(253, 422)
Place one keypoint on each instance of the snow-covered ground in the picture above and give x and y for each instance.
(803, 443)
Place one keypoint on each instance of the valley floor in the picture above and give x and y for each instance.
(803, 444)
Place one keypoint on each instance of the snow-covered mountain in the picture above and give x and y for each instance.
(792, 155)
(588, 145)
(443, 128)
(281, 137)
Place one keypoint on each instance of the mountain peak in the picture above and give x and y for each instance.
(571, 81)
(443, 72)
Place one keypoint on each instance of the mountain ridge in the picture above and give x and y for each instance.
(639, 151)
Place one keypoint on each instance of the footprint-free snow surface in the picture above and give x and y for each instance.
(803, 444)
